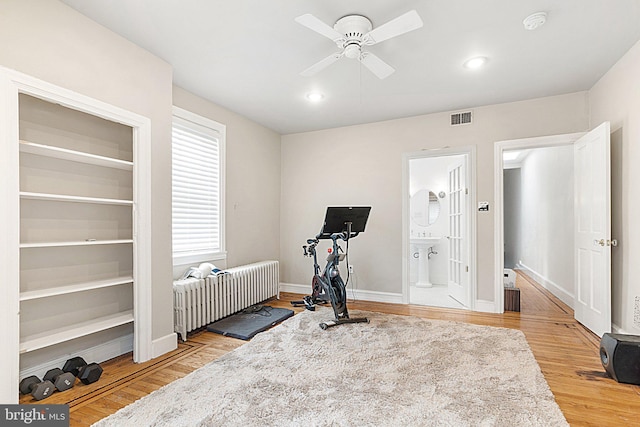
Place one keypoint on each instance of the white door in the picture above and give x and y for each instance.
(593, 230)
(458, 258)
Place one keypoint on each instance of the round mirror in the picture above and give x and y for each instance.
(425, 207)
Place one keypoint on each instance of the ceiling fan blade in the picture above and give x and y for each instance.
(322, 64)
(376, 65)
(402, 24)
(313, 23)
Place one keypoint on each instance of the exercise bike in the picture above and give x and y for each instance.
(327, 286)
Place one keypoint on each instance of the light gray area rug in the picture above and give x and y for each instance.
(394, 371)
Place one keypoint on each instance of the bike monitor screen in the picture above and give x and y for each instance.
(336, 219)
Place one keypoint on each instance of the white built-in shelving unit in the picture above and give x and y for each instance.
(72, 201)
(75, 263)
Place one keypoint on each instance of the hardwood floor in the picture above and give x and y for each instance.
(566, 352)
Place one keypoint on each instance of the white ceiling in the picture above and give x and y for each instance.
(246, 55)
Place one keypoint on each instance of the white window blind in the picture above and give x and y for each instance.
(197, 194)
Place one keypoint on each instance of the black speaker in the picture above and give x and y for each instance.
(620, 357)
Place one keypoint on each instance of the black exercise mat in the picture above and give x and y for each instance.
(246, 324)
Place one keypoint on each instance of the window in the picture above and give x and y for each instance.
(198, 188)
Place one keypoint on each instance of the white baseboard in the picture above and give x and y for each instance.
(294, 288)
(485, 306)
(377, 296)
(164, 345)
(565, 296)
(618, 330)
(356, 294)
(98, 354)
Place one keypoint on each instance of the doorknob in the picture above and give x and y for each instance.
(602, 242)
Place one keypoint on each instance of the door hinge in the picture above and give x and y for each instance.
(467, 269)
(466, 191)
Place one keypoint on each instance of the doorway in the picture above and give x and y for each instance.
(518, 151)
(438, 255)
(589, 241)
(538, 213)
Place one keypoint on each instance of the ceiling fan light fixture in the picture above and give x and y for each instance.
(314, 96)
(475, 63)
(351, 32)
(352, 51)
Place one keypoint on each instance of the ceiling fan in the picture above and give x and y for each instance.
(351, 32)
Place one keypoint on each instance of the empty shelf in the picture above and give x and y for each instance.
(57, 336)
(78, 287)
(74, 156)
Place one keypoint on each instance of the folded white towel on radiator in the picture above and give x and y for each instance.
(203, 270)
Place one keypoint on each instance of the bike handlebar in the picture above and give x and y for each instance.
(334, 236)
(310, 250)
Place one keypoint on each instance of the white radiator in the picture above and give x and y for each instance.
(198, 302)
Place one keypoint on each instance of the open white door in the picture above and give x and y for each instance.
(458, 263)
(593, 230)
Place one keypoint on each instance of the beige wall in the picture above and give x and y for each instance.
(616, 98)
(362, 165)
(277, 189)
(546, 229)
(48, 40)
(252, 212)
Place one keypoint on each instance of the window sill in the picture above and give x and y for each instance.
(180, 260)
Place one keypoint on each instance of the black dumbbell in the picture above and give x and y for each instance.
(38, 389)
(60, 379)
(87, 373)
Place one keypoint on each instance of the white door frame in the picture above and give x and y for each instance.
(499, 148)
(470, 153)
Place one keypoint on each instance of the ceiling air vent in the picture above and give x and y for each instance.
(463, 118)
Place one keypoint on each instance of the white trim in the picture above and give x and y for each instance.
(618, 330)
(545, 282)
(485, 306)
(358, 294)
(294, 288)
(376, 296)
(498, 233)
(9, 244)
(142, 297)
(179, 260)
(164, 345)
(197, 119)
(221, 130)
(13, 83)
(470, 162)
(98, 354)
(406, 227)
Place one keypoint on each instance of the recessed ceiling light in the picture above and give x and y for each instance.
(315, 96)
(476, 62)
(534, 20)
